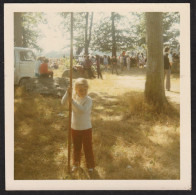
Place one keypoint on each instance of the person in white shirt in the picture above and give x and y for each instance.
(170, 58)
(37, 66)
(81, 124)
(128, 62)
(121, 61)
(105, 62)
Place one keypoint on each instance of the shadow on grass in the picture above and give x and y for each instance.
(129, 143)
(38, 141)
(132, 147)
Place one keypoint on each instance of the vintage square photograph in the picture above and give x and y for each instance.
(97, 92)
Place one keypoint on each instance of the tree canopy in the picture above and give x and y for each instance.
(26, 31)
(97, 31)
(128, 30)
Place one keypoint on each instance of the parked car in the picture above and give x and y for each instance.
(24, 64)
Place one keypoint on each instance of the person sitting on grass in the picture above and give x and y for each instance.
(81, 127)
(44, 72)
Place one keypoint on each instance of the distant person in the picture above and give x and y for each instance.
(98, 67)
(141, 60)
(170, 56)
(121, 61)
(55, 66)
(167, 68)
(175, 63)
(128, 59)
(137, 59)
(114, 64)
(124, 62)
(105, 62)
(132, 60)
(37, 66)
(82, 60)
(93, 60)
(44, 72)
(109, 61)
(101, 60)
(87, 67)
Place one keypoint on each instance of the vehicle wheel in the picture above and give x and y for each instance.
(66, 73)
(23, 82)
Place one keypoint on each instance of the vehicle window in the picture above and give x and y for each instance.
(27, 56)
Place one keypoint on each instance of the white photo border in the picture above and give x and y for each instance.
(185, 99)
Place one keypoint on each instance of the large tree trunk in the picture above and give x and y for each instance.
(154, 87)
(18, 29)
(86, 35)
(113, 35)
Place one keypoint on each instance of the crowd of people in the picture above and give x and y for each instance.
(110, 63)
(126, 61)
(123, 62)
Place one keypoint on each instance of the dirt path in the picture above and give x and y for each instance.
(135, 80)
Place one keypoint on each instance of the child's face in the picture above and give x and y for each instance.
(81, 91)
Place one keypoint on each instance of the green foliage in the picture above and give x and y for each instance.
(137, 29)
(170, 33)
(130, 31)
(79, 26)
(102, 36)
(30, 31)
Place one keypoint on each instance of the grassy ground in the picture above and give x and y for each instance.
(131, 140)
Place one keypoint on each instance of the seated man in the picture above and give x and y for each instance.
(44, 72)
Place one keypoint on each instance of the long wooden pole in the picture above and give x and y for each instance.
(70, 96)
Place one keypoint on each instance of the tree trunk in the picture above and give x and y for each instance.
(24, 37)
(86, 35)
(18, 29)
(113, 35)
(90, 30)
(154, 87)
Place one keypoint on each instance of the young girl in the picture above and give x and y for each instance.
(81, 124)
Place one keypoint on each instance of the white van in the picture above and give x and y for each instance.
(24, 64)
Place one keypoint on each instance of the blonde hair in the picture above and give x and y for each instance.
(79, 82)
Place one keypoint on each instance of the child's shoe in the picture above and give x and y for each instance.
(74, 168)
(91, 173)
(91, 170)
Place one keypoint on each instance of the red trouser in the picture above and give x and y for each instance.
(83, 138)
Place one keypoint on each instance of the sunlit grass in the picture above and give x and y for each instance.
(132, 140)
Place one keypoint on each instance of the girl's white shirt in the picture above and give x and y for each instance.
(81, 112)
